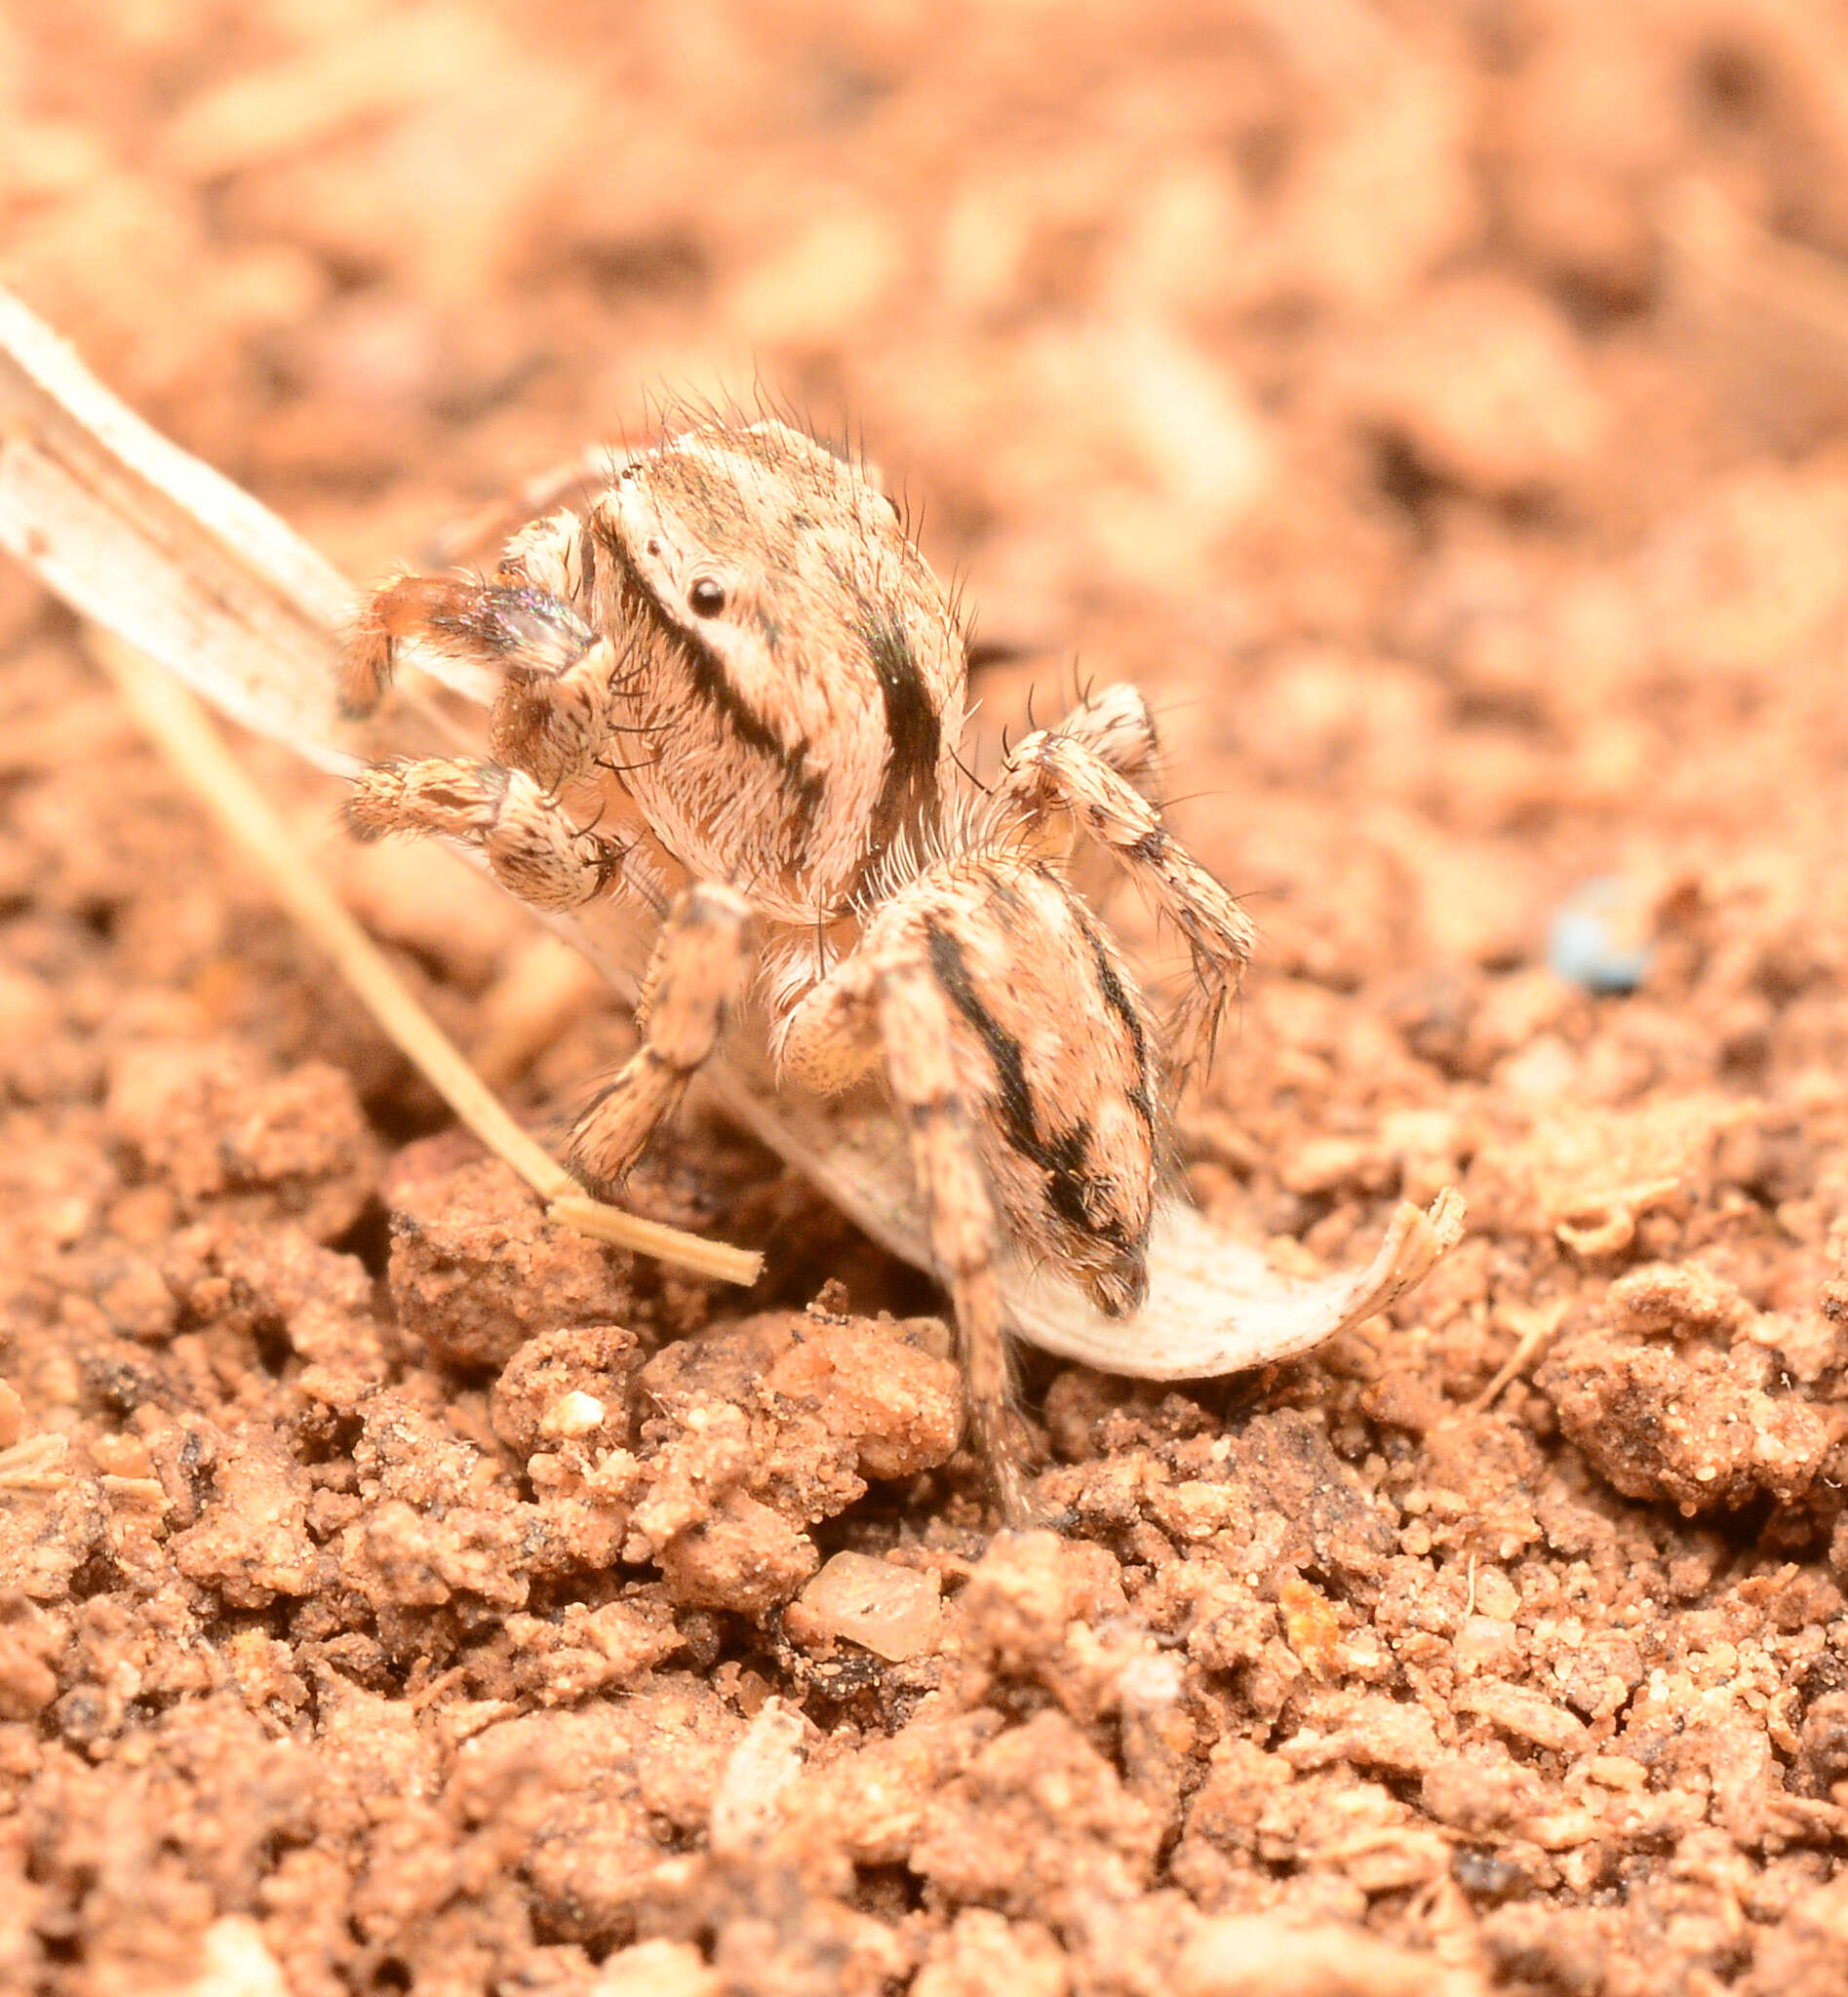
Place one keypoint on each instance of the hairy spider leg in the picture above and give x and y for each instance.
(701, 960)
(532, 845)
(1057, 772)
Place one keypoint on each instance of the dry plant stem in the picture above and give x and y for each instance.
(34, 1465)
(159, 549)
(179, 562)
(178, 726)
(1533, 1342)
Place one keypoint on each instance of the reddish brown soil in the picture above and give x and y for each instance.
(1441, 410)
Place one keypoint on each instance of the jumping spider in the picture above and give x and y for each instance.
(731, 690)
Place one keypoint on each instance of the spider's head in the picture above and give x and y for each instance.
(786, 644)
(763, 557)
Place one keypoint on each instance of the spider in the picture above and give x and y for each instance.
(732, 691)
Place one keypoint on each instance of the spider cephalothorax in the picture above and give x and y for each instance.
(733, 691)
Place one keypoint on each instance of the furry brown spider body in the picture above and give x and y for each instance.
(733, 691)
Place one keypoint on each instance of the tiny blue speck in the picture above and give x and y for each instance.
(1597, 939)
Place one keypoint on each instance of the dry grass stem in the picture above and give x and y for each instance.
(177, 725)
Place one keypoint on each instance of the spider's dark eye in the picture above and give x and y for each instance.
(706, 597)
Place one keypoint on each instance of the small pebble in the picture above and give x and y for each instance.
(574, 1414)
(894, 1611)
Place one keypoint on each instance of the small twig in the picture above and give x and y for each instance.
(175, 722)
(1528, 1347)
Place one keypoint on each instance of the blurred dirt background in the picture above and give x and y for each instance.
(1442, 410)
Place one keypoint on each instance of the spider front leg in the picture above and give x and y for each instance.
(898, 1004)
(914, 1022)
(552, 712)
(1056, 770)
(699, 962)
(1115, 724)
(531, 846)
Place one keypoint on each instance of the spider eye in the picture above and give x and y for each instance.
(706, 597)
